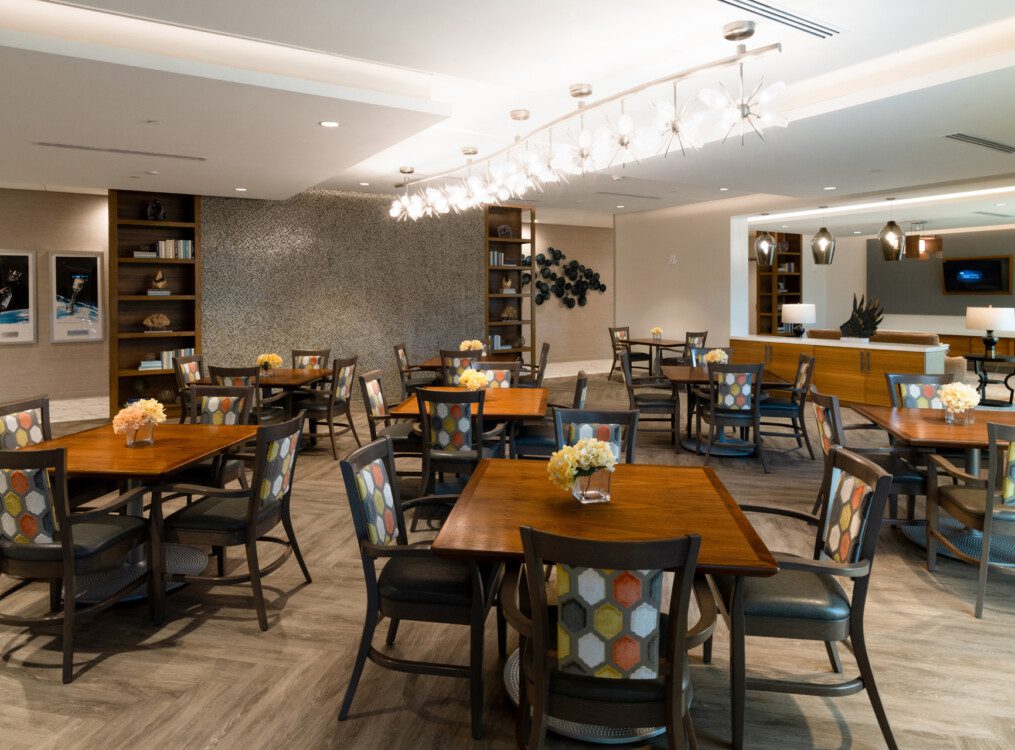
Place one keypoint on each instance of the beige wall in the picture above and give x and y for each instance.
(578, 332)
(43, 222)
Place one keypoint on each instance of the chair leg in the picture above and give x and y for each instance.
(796, 432)
(537, 726)
(706, 651)
(893, 506)
(738, 677)
(910, 507)
(55, 594)
(476, 670)
(255, 584)
(157, 560)
(692, 739)
(68, 629)
(833, 657)
(220, 560)
(392, 631)
(331, 436)
(612, 368)
(981, 589)
(287, 524)
(931, 529)
(759, 443)
(369, 624)
(352, 425)
(807, 438)
(867, 675)
(501, 631)
(711, 438)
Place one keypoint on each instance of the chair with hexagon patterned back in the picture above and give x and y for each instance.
(41, 539)
(538, 439)
(916, 391)
(304, 359)
(413, 584)
(804, 600)
(787, 409)
(454, 363)
(188, 371)
(618, 428)
(219, 405)
(619, 342)
(405, 434)
(731, 400)
(499, 374)
(333, 407)
(223, 518)
(268, 407)
(452, 426)
(412, 376)
(606, 649)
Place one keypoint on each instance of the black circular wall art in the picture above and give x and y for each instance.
(571, 286)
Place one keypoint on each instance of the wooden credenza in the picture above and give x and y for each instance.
(853, 371)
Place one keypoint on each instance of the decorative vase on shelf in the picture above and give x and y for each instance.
(592, 488)
(143, 435)
(965, 416)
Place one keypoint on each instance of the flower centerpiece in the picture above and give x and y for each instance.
(473, 380)
(716, 357)
(137, 421)
(959, 400)
(657, 332)
(583, 468)
(268, 361)
(471, 345)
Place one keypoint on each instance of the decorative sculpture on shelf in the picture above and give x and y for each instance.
(571, 286)
(155, 211)
(510, 312)
(506, 285)
(159, 281)
(156, 322)
(864, 320)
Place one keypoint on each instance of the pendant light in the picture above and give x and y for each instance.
(764, 250)
(892, 239)
(823, 246)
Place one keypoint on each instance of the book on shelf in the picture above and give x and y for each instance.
(159, 292)
(145, 254)
(180, 249)
(151, 364)
(166, 358)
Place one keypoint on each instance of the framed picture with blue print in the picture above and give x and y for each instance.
(76, 303)
(17, 297)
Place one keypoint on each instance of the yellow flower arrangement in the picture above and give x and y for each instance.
(656, 331)
(470, 345)
(473, 380)
(716, 356)
(268, 361)
(958, 396)
(585, 457)
(153, 410)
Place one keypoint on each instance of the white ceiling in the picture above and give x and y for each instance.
(487, 58)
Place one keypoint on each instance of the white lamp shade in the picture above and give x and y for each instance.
(801, 313)
(990, 318)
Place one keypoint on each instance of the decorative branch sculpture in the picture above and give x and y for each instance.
(865, 318)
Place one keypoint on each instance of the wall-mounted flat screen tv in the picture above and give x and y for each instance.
(978, 275)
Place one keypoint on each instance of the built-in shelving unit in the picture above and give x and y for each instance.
(780, 284)
(506, 258)
(130, 279)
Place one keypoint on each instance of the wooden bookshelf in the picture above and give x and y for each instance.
(129, 280)
(518, 332)
(776, 288)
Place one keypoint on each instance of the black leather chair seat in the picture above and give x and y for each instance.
(639, 356)
(790, 594)
(536, 435)
(432, 580)
(972, 501)
(218, 514)
(401, 432)
(900, 469)
(488, 451)
(653, 401)
(422, 379)
(90, 538)
(203, 473)
(781, 406)
(317, 403)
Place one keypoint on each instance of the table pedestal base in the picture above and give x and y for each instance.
(181, 559)
(586, 732)
(1002, 548)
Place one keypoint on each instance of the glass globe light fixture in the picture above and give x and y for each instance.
(892, 240)
(823, 247)
(764, 250)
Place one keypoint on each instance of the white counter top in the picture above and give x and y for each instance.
(804, 341)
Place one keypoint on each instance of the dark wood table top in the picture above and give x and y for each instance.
(101, 452)
(685, 374)
(500, 403)
(434, 363)
(648, 502)
(290, 379)
(669, 343)
(1001, 358)
(927, 427)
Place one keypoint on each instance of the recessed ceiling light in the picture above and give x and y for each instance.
(364, 184)
(857, 232)
(579, 201)
(1000, 205)
(785, 226)
(617, 177)
(152, 122)
(240, 190)
(619, 206)
(329, 123)
(830, 187)
(723, 190)
(151, 171)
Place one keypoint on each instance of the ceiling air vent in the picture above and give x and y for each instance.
(973, 140)
(628, 195)
(125, 151)
(785, 17)
(995, 213)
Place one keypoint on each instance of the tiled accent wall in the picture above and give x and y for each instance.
(332, 269)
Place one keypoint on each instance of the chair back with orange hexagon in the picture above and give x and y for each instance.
(734, 387)
(915, 391)
(221, 405)
(310, 359)
(33, 505)
(374, 499)
(829, 420)
(499, 374)
(855, 492)
(277, 450)
(24, 423)
(454, 363)
(618, 428)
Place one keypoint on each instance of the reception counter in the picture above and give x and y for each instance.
(853, 370)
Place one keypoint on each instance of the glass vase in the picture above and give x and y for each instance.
(959, 417)
(592, 488)
(143, 435)
(657, 336)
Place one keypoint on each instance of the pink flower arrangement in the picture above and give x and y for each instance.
(134, 416)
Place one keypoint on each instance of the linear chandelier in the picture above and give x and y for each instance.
(570, 145)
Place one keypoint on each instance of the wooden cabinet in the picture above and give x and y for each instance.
(510, 313)
(781, 283)
(750, 352)
(840, 371)
(879, 362)
(782, 359)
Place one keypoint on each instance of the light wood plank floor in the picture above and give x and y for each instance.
(210, 677)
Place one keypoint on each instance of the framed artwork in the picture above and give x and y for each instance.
(17, 297)
(76, 301)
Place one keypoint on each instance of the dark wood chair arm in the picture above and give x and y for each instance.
(941, 463)
(196, 489)
(705, 625)
(269, 400)
(509, 603)
(446, 500)
(122, 501)
(772, 510)
(496, 433)
(823, 567)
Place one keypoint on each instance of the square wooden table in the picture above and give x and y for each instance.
(500, 403)
(648, 502)
(290, 379)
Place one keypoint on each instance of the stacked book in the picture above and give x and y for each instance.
(145, 254)
(151, 364)
(183, 249)
(497, 342)
(497, 259)
(165, 360)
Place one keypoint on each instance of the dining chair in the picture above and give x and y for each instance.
(657, 401)
(538, 439)
(41, 539)
(26, 422)
(223, 518)
(692, 340)
(413, 584)
(187, 371)
(304, 359)
(612, 657)
(619, 338)
(618, 428)
(329, 407)
(533, 377)
(804, 600)
(454, 363)
(499, 374)
(454, 440)
(790, 410)
(731, 400)
(411, 376)
(978, 503)
(219, 405)
(908, 479)
(916, 391)
(268, 407)
(405, 434)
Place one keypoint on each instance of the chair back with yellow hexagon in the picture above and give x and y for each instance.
(608, 622)
(454, 363)
(33, 504)
(618, 428)
(915, 390)
(373, 498)
(854, 492)
(24, 423)
(221, 405)
(499, 374)
(310, 359)
(276, 452)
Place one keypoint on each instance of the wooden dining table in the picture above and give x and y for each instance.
(504, 404)
(290, 380)
(434, 364)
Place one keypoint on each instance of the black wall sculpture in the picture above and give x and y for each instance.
(569, 282)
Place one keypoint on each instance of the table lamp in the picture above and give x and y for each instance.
(990, 319)
(798, 314)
